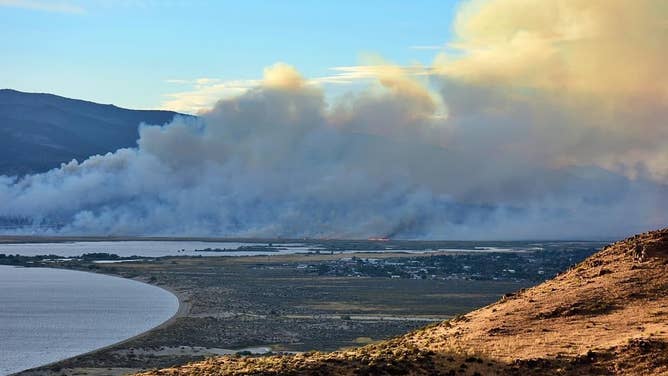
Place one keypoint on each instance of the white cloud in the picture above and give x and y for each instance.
(45, 6)
(427, 47)
(204, 92)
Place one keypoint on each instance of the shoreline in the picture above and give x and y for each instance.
(182, 310)
(22, 239)
(273, 300)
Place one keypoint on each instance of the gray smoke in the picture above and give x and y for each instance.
(280, 161)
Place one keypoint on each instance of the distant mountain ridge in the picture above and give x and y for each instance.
(40, 131)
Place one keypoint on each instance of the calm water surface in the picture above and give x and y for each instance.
(50, 314)
(159, 248)
(148, 248)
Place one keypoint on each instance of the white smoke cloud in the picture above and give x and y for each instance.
(469, 152)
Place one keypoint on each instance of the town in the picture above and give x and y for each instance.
(532, 266)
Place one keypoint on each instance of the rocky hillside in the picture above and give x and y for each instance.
(607, 315)
(40, 131)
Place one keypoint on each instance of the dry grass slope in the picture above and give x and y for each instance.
(607, 315)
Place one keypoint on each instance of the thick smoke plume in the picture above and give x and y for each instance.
(548, 123)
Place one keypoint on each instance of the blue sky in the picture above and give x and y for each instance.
(136, 53)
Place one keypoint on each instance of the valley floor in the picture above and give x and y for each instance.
(229, 304)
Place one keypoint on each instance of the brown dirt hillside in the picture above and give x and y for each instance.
(607, 315)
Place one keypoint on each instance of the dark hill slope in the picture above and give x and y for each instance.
(606, 316)
(40, 131)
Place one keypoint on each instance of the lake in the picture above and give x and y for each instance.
(51, 314)
(147, 248)
(160, 248)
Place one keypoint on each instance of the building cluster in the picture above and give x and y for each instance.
(520, 266)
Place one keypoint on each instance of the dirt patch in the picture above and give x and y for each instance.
(581, 308)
